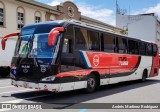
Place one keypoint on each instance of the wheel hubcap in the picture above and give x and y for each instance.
(91, 82)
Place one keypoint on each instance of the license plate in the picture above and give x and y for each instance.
(25, 84)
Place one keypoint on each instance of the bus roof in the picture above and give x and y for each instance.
(83, 24)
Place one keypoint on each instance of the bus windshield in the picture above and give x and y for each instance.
(36, 46)
(33, 42)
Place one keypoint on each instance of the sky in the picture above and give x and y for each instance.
(104, 10)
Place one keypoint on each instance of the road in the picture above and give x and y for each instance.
(127, 92)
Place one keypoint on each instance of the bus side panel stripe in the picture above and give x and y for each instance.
(85, 59)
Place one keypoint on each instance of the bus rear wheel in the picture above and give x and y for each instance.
(91, 83)
(144, 76)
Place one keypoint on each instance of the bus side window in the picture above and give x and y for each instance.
(94, 41)
(149, 50)
(142, 48)
(69, 30)
(133, 47)
(155, 50)
(122, 45)
(109, 43)
(67, 46)
(81, 39)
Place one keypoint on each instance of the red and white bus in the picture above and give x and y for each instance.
(68, 55)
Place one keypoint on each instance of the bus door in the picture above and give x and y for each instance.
(67, 64)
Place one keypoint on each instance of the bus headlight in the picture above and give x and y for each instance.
(50, 78)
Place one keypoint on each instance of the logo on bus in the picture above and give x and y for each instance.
(96, 60)
(25, 70)
(123, 61)
(43, 69)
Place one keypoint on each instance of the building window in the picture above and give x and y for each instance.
(20, 13)
(2, 10)
(37, 17)
(1, 17)
(52, 18)
(20, 20)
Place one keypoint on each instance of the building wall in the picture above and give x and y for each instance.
(64, 7)
(54, 13)
(10, 26)
(101, 24)
(145, 27)
(11, 16)
(66, 10)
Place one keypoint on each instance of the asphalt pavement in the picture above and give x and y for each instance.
(126, 92)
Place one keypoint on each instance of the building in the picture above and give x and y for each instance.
(142, 26)
(14, 14)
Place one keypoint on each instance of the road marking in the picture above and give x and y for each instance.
(20, 100)
(6, 87)
(17, 91)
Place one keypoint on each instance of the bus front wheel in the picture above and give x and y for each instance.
(91, 83)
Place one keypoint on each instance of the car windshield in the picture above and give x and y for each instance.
(36, 46)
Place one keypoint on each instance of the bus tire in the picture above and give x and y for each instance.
(91, 83)
(144, 76)
(4, 72)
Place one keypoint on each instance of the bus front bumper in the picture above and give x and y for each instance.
(37, 86)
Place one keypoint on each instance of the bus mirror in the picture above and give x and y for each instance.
(52, 37)
(4, 39)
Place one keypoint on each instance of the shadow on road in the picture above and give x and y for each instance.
(79, 96)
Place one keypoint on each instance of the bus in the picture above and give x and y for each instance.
(68, 55)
